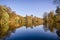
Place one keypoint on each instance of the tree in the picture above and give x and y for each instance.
(45, 17)
(58, 10)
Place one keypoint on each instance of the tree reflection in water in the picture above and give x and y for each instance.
(52, 21)
(11, 29)
(9, 22)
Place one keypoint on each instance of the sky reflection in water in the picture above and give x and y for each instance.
(37, 33)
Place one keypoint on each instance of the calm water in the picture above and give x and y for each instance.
(35, 33)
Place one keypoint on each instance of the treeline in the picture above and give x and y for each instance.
(9, 20)
(52, 19)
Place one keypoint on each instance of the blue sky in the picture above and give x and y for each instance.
(35, 7)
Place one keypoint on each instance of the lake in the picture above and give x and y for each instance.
(35, 33)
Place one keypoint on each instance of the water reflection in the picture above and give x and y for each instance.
(5, 34)
(52, 21)
(10, 21)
